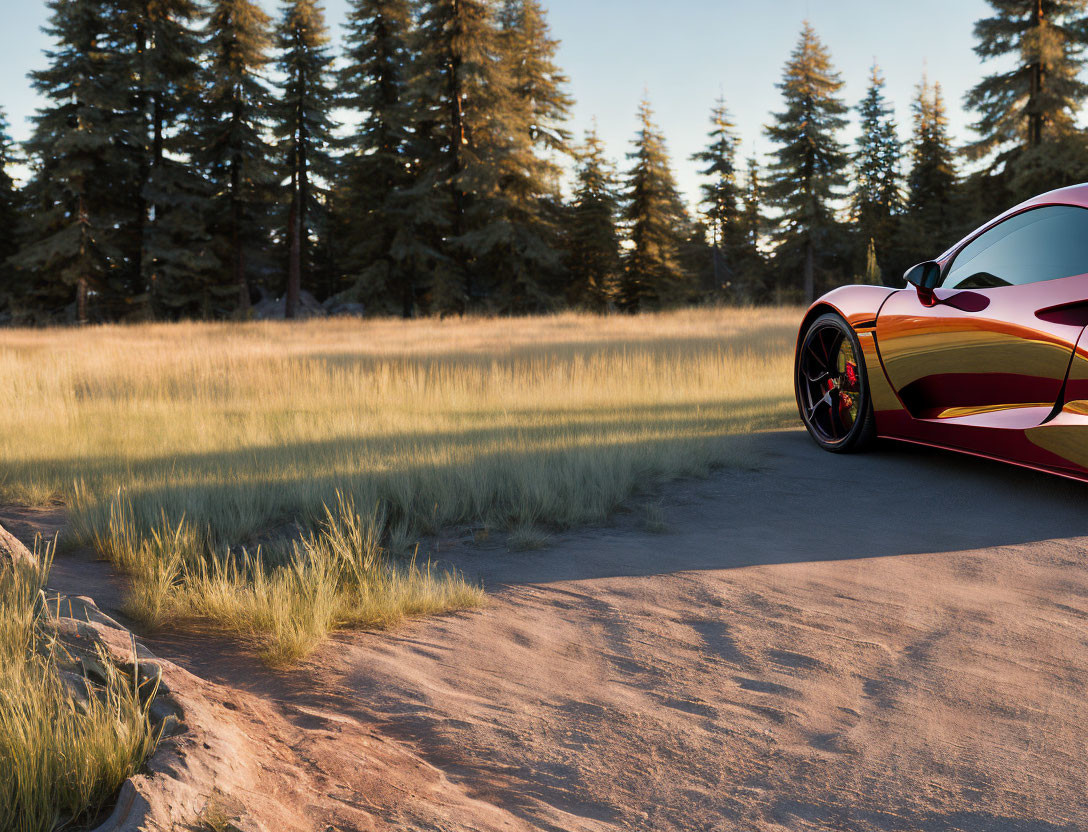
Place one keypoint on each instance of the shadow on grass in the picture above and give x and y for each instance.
(553, 474)
(681, 347)
(804, 506)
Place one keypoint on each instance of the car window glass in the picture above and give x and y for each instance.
(1042, 244)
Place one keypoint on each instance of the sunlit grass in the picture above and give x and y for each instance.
(291, 596)
(213, 436)
(61, 759)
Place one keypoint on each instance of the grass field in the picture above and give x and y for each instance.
(176, 445)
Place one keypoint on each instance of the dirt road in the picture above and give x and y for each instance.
(893, 642)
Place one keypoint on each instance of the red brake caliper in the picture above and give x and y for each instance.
(852, 374)
(846, 399)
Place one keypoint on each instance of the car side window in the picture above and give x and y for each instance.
(1040, 244)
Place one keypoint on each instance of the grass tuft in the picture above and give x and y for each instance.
(653, 518)
(61, 757)
(528, 538)
(218, 815)
(338, 576)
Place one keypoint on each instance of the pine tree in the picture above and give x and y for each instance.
(1038, 99)
(749, 271)
(931, 185)
(872, 276)
(539, 88)
(172, 243)
(480, 178)
(876, 198)
(233, 151)
(751, 216)
(538, 82)
(383, 250)
(83, 169)
(461, 84)
(657, 223)
(721, 193)
(9, 208)
(304, 128)
(11, 280)
(593, 241)
(810, 162)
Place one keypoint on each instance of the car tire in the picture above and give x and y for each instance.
(841, 420)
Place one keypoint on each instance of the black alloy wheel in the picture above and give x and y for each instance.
(833, 388)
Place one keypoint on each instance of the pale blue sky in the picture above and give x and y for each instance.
(681, 53)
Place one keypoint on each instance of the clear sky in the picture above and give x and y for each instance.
(682, 54)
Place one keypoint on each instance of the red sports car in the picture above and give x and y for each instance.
(984, 352)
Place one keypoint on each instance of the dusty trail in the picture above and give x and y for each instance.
(894, 642)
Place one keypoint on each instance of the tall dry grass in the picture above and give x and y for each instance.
(216, 433)
(61, 758)
(290, 595)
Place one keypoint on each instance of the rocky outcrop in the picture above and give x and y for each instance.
(201, 755)
(270, 308)
(252, 751)
(12, 551)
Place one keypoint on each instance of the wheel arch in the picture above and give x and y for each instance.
(815, 311)
(860, 306)
(857, 305)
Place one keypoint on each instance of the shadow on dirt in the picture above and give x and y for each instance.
(805, 505)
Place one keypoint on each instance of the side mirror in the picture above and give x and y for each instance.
(924, 277)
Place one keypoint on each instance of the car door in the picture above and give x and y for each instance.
(994, 348)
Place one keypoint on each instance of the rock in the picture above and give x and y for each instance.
(168, 714)
(148, 676)
(269, 308)
(94, 670)
(202, 750)
(82, 608)
(336, 308)
(14, 552)
(74, 630)
(77, 688)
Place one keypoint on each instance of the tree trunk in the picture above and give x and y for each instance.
(157, 152)
(458, 140)
(239, 261)
(82, 282)
(717, 258)
(81, 300)
(407, 298)
(810, 273)
(143, 210)
(1035, 118)
(294, 264)
(297, 216)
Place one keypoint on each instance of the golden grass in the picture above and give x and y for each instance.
(60, 760)
(290, 596)
(217, 433)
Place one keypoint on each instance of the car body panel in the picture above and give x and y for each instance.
(858, 305)
(998, 373)
(880, 391)
(947, 361)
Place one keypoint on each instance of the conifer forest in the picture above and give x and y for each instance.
(195, 158)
